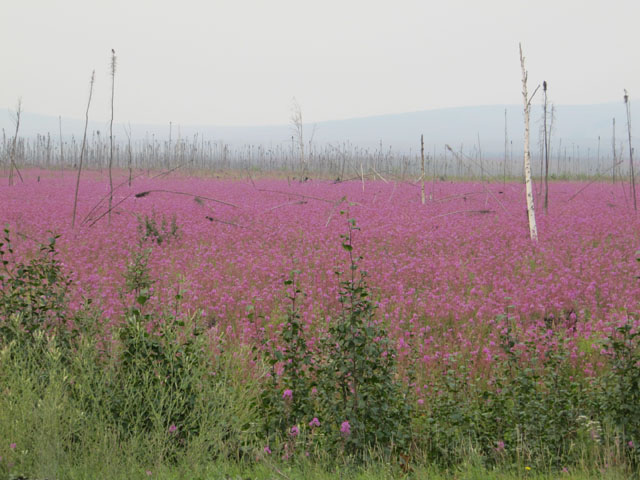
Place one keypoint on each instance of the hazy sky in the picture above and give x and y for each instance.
(240, 62)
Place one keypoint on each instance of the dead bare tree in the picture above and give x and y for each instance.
(552, 117)
(546, 150)
(422, 176)
(113, 81)
(61, 144)
(633, 178)
(504, 162)
(129, 151)
(613, 144)
(547, 134)
(533, 231)
(14, 146)
(84, 143)
(296, 122)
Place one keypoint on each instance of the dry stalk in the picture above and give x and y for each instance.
(378, 174)
(148, 192)
(212, 219)
(298, 202)
(108, 212)
(84, 144)
(487, 191)
(463, 211)
(596, 179)
(295, 195)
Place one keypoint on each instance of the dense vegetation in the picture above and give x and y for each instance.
(159, 389)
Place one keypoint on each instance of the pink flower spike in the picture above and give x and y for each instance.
(345, 428)
(315, 422)
(12, 446)
(173, 428)
(294, 431)
(267, 450)
(287, 394)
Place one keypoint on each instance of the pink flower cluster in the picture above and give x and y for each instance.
(445, 275)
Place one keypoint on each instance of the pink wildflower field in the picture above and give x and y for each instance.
(443, 274)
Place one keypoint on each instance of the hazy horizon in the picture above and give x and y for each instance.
(241, 62)
(580, 130)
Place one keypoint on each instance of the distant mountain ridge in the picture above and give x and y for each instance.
(585, 127)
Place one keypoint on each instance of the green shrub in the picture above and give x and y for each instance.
(343, 397)
(150, 230)
(362, 397)
(534, 410)
(32, 293)
(287, 394)
(621, 385)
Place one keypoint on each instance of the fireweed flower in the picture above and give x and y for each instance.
(267, 450)
(294, 431)
(576, 255)
(12, 446)
(287, 394)
(315, 422)
(173, 428)
(345, 428)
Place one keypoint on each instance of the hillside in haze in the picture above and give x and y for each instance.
(577, 128)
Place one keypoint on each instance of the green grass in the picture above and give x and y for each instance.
(55, 438)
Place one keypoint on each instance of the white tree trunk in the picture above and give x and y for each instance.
(422, 156)
(533, 231)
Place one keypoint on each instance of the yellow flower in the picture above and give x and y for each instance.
(527, 468)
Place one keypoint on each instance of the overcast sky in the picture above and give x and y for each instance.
(240, 62)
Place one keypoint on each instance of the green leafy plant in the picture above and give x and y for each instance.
(345, 395)
(287, 398)
(359, 384)
(621, 385)
(535, 408)
(159, 375)
(137, 277)
(149, 229)
(33, 293)
(161, 365)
